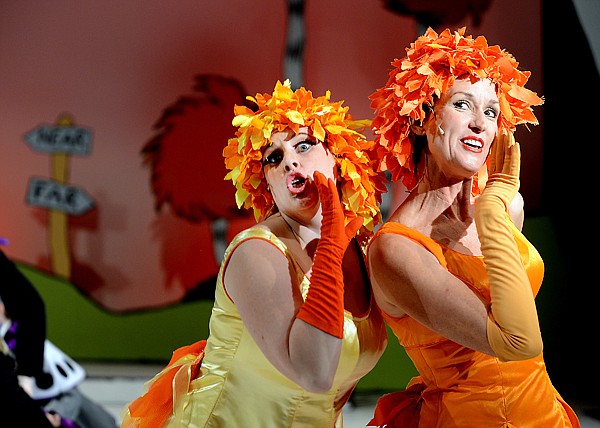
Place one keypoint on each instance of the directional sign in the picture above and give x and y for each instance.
(50, 194)
(60, 139)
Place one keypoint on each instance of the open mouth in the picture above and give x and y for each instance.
(296, 183)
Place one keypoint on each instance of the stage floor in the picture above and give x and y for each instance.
(115, 385)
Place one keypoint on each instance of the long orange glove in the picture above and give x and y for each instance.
(513, 329)
(324, 304)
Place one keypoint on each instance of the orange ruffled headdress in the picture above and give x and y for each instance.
(328, 122)
(432, 64)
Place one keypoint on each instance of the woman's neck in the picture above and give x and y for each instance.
(304, 232)
(432, 199)
(445, 214)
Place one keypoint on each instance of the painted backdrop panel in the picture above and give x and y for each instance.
(155, 74)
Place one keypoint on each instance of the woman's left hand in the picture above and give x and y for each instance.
(504, 169)
(333, 224)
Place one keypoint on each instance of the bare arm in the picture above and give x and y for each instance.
(408, 279)
(258, 280)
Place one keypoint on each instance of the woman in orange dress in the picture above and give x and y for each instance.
(294, 326)
(451, 271)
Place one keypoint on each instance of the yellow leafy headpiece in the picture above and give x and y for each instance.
(328, 122)
(432, 64)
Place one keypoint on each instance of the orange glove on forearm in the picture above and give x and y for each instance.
(513, 329)
(324, 304)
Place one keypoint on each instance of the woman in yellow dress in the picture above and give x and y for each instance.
(293, 327)
(451, 271)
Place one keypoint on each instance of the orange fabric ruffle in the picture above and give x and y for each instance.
(155, 406)
(399, 409)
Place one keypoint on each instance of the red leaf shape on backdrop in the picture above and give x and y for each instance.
(186, 154)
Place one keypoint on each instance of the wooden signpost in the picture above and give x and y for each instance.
(61, 199)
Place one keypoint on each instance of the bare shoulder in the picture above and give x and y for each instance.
(401, 270)
(255, 269)
(247, 252)
(251, 255)
(394, 251)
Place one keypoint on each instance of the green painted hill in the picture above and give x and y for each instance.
(87, 332)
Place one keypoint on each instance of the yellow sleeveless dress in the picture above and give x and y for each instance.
(459, 387)
(237, 387)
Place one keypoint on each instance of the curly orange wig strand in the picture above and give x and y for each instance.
(432, 64)
(328, 122)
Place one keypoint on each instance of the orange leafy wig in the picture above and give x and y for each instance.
(328, 122)
(432, 64)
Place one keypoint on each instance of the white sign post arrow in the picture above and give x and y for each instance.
(60, 139)
(49, 194)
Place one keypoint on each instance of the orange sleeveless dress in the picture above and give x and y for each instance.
(460, 387)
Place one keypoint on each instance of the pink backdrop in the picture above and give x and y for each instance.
(115, 66)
